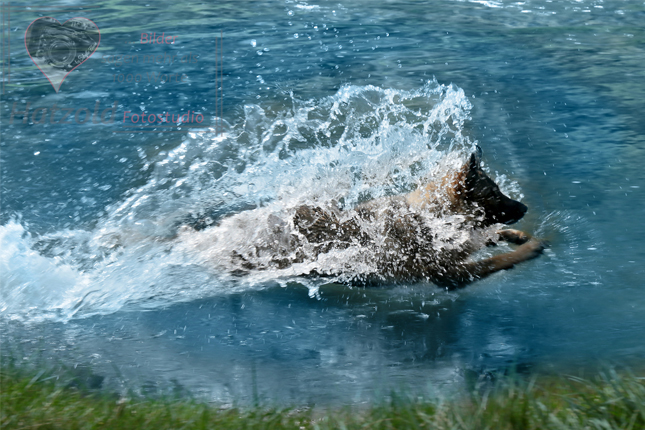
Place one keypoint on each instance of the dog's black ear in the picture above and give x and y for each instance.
(473, 163)
(471, 170)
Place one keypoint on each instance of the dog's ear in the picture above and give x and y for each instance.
(471, 165)
(473, 162)
(471, 170)
(478, 152)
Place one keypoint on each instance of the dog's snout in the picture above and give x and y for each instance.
(514, 212)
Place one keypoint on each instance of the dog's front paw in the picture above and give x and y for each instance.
(533, 248)
(514, 236)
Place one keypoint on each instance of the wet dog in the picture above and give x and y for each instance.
(409, 231)
(428, 235)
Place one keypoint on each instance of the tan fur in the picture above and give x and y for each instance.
(403, 242)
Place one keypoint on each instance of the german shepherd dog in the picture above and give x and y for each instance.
(409, 248)
(428, 235)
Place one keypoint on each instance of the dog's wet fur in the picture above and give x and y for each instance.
(403, 234)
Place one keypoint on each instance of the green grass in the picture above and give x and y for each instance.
(606, 401)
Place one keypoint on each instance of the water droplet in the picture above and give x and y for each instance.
(253, 43)
(295, 35)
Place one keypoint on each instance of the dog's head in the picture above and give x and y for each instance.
(482, 194)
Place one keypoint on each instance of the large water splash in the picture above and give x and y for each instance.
(361, 143)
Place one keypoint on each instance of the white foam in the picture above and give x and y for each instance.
(363, 142)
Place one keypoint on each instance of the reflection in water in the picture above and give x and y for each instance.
(351, 345)
(298, 349)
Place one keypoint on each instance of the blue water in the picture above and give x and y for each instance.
(322, 101)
